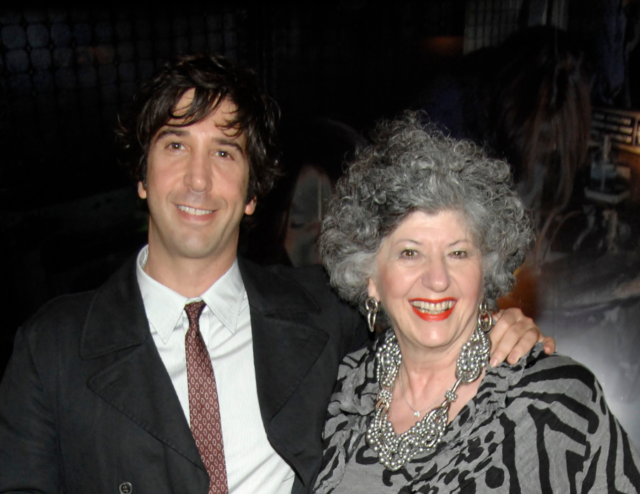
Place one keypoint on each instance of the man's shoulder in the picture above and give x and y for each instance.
(304, 275)
(303, 294)
(55, 326)
(68, 313)
(273, 281)
(65, 310)
(313, 278)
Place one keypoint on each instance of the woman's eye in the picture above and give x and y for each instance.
(174, 146)
(223, 154)
(460, 254)
(409, 253)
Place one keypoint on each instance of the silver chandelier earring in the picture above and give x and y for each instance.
(372, 306)
(485, 318)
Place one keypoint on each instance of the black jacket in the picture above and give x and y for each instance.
(86, 404)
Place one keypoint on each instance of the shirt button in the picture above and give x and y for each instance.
(126, 488)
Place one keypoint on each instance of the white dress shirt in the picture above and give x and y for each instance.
(252, 464)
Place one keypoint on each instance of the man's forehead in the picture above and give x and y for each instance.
(224, 111)
(222, 116)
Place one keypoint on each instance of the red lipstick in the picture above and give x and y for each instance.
(433, 317)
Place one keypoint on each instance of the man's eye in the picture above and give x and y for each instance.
(174, 146)
(223, 154)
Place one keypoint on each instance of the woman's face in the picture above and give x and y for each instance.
(429, 280)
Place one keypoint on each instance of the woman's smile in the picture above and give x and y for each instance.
(433, 310)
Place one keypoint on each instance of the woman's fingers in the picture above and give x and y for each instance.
(514, 335)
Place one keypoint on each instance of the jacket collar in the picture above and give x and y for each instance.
(116, 319)
(131, 376)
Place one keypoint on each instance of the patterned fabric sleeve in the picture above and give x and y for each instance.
(579, 445)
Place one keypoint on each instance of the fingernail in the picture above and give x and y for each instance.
(493, 362)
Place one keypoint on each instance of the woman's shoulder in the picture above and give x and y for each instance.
(348, 413)
(356, 387)
(556, 373)
(546, 387)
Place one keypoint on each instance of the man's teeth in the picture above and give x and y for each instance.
(433, 308)
(194, 211)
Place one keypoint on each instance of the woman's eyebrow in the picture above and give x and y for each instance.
(408, 240)
(461, 241)
(417, 242)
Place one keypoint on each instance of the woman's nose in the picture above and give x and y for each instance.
(436, 275)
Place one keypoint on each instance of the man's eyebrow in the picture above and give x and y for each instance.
(170, 131)
(228, 142)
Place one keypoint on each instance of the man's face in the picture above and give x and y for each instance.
(197, 179)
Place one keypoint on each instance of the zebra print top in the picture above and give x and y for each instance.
(541, 425)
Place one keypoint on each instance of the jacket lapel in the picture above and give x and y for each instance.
(285, 346)
(133, 378)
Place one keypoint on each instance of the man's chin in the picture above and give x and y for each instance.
(202, 251)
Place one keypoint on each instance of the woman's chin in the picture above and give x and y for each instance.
(440, 337)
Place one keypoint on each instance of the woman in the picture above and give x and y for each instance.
(425, 232)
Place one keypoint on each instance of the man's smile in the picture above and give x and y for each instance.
(194, 211)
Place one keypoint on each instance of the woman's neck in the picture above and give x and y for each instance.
(414, 397)
(423, 378)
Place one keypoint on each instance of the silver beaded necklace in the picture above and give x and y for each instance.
(394, 450)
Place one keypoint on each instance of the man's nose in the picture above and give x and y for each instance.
(198, 172)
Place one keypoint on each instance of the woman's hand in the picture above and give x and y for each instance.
(513, 335)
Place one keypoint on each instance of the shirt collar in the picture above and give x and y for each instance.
(164, 307)
(227, 297)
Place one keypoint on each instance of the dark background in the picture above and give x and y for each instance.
(68, 213)
(69, 216)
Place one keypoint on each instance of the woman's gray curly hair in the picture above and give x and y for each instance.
(414, 167)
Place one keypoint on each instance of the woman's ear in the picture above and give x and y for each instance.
(372, 289)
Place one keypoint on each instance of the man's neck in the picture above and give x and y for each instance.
(188, 277)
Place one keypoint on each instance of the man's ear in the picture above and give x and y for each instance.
(142, 192)
(251, 206)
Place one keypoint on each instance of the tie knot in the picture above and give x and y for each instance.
(193, 310)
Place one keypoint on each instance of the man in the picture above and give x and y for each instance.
(138, 386)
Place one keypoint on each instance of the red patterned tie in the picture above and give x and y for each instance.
(204, 409)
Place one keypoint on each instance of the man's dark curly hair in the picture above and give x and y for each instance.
(213, 79)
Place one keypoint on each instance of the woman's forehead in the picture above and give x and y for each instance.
(420, 224)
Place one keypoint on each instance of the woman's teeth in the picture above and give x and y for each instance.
(432, 308)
